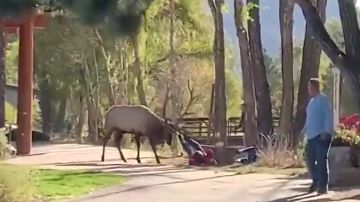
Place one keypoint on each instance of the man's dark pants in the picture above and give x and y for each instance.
(317, 152)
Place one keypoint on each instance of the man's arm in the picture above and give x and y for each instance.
(328, 117)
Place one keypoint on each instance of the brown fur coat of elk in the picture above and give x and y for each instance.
(138, 120)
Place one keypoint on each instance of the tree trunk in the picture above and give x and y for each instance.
(122, 86)
(286, 28)
(219, 57)
(138, 72)
(91, 105)
(92, 121)
(309, 69)
(251, 131)
(61, 112)
(80, 118)
(45, 108)
(109, 88)
(350, 26)
(2, 76)
(264, 112)
(173, 71)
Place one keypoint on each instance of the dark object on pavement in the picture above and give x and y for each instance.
(250, 155)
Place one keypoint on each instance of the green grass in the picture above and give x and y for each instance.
(63, 184)
(57, 184)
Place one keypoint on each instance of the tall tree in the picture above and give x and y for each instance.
(2, 76)
(310, 65)
(248, 79)
(219, 58)
(138, 72)
(264, 112)
(45, 106)
(106, 63)
(286, 11)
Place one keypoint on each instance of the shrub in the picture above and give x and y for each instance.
(277, 152)
(4, 146)
(16, 184)
(346, 137)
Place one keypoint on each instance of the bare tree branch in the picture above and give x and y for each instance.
(319, 32)
(192, 100)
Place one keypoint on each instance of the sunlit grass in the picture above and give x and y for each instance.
(57, 184)
(68, 184)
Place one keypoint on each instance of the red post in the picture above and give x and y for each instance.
(25, 88)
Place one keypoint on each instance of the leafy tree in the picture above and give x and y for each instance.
(273, 71)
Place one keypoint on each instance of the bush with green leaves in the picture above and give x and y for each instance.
(345, 137)
(16, 184)
(4, 146)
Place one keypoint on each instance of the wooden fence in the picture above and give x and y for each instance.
(201, 129)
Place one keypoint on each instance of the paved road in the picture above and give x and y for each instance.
(153, 183)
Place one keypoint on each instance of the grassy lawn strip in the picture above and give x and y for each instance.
(54, 184)
(59, 184)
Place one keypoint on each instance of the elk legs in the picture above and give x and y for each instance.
(153, 146)
(137, 141)
(105, 141)
(117, 143)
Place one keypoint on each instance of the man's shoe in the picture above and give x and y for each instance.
(312, 188)
(322, 192)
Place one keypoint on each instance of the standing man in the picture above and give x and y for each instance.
(318, 130)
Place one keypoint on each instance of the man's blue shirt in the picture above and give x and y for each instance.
(319, 117)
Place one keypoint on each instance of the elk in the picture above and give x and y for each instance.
(138, 120)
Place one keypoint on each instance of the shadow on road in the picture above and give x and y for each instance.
(137, 188)
(126, 169)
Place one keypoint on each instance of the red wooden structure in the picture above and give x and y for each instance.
(24, 29)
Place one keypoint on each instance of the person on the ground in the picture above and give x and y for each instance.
(197, 154)
(319, 129)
